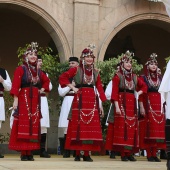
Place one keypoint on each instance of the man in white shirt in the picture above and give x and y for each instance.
(68, 95)
(45, 121)
(5, 84)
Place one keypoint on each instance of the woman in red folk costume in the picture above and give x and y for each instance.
(125, 126)
(28, 83)
(152, 124)
(84, 129)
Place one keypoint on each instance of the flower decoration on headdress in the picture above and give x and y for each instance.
(126, 57)
(88, 51)
(152, 59)
(32, 48)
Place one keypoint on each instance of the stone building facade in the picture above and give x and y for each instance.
(70, 25)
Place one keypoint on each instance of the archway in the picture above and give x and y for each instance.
(22, 22)
(143, 34)
(17, 21)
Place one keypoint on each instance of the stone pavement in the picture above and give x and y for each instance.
(56, 162)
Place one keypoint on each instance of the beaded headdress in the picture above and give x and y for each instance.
(152, 59)
(126, 57)
(88, 51)
(31, 48)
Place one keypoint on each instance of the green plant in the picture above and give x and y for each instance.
(4, 137)
(167, 59)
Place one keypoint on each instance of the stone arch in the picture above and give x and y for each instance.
(46, 21)
(123, 24)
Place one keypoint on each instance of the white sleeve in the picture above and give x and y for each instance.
(100, 102)
(63, 91)
(7, 83)
(108, 90)
(50, 85)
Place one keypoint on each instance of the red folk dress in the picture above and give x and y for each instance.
(122, 135)
(84, 129)
(25, 133)
(152, 126)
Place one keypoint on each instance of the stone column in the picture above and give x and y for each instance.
(86, 23)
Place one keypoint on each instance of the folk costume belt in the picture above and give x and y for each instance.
(69, 94)
(152, 90)
(43, 95)
(28, 85)
(84, 85)
(128, 91)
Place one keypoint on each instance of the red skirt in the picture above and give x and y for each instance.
(25, 133)
(122, 135)
(152, 126)
(109, 137)
(84, 129)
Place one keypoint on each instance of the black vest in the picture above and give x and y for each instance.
(3, 75)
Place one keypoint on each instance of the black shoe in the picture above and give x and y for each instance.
(157, 159)
(131, 158)
(30, 157)
(1, 156)
(112, 155)
(151, 159)
(45, 154)
(124, 158)
(24, 158)
(66, 154)
(87, 158)
(77, 158)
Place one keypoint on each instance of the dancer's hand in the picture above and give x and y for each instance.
(102, 112)
(142, 110)
(15, 103)
(75, 89)
(118, 111)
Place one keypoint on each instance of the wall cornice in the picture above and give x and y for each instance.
(91, 2)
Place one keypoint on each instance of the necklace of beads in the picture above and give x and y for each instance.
(153, 113)
(28, 109)
(152, 83)
(34, 80)
(129, 84)
(88, 79)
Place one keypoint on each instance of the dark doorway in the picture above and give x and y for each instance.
(143, 38)
(16, 30)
